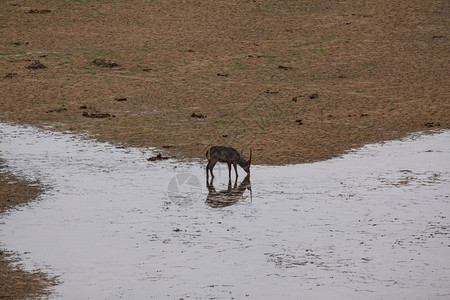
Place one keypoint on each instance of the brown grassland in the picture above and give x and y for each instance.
(353, 72)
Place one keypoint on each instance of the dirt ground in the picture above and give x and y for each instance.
(15, 282)
(297, 81)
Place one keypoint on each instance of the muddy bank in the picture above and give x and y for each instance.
(296, 81)
(17, 283)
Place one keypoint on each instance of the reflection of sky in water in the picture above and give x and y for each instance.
(372, 224)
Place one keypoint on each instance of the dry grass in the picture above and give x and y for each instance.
(379, 70)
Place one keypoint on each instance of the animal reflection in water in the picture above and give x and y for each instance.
(230, 196)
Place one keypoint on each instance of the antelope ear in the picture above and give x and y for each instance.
(242, 152)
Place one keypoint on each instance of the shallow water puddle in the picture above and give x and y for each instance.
(372, 224)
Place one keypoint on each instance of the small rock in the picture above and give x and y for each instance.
(36, 65)
(200, 116)
(157, 157)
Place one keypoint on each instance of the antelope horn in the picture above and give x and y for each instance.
(250, 160)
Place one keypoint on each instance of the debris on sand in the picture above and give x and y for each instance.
(101, 62)
(98, 115)
(284, 68)
(294, 99)
(10, 75)
(432, 124)
(157, 157)
(58, 110)
(223, 75)
(314, 96)
(271, 92)
(121, 99)
(300, 122)
(200, 116)
(255, 56)
(36, 65)
(19, 43)
(39, 11)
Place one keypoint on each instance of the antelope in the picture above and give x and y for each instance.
(227, 155)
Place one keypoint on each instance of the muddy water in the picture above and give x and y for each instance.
(372, 224)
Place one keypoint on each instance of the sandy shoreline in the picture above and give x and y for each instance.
(16, 282)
